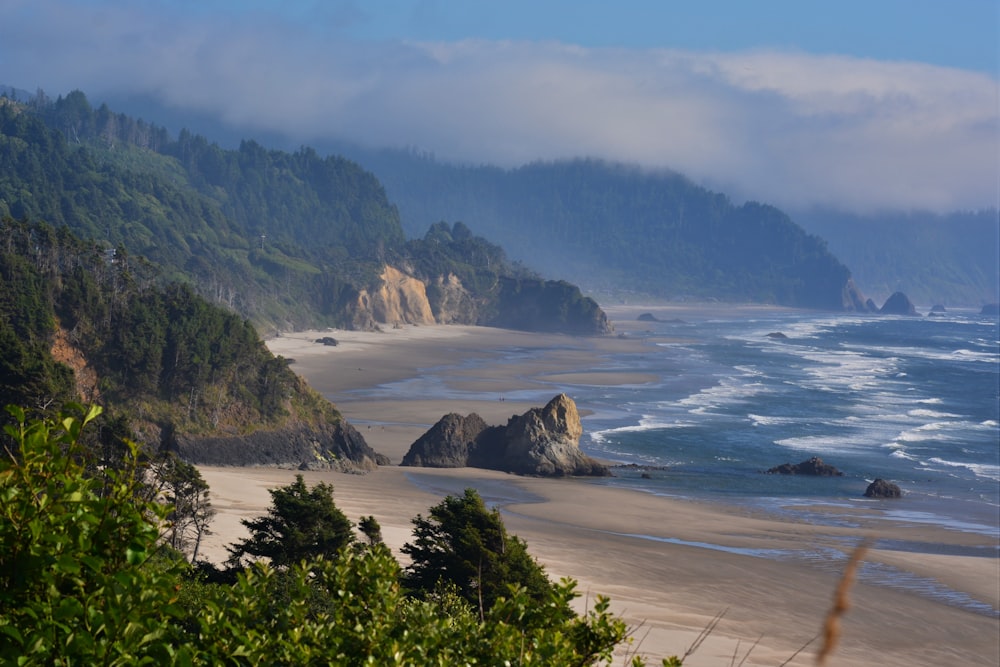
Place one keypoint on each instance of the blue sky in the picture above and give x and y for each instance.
(864, 105)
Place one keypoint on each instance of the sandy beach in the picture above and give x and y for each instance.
(669, 565)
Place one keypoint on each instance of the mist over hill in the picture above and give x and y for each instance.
(952, 260)
(287, 239)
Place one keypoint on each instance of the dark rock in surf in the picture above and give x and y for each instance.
(777, 335)
(898, 304)
(814, 467)
(648, 317)
(327, 340)
(938, 308)
(881, 488)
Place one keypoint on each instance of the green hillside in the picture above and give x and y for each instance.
(288, 240)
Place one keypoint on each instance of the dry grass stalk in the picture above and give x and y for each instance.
(831, 628)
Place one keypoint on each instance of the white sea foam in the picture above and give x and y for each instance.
(823, 444)
(988, 471)
(932, 414)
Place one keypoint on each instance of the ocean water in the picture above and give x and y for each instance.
(914, 400)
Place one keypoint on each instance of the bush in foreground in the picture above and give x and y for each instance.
(87, 578)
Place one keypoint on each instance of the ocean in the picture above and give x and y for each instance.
(913, 400)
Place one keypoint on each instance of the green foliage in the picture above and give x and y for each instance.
(162, 351)
(464, 545)
(83, 581)
(77, 581)
(301, 524)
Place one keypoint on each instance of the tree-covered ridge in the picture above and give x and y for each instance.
(162, 355)
(288, 240)
(615, 227)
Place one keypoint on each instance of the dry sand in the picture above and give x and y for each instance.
(696, 559)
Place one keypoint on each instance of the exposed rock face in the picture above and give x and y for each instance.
(448, 443)
(880, 488)
(542, 441)
(513, 303)
(545, 441)
(400, 299)
(853, 300)
(814, 466)
(336, 446)
(898, 304)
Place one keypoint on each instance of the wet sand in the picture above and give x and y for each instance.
(669, 565)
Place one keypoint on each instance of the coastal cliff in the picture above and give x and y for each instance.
(527, 304)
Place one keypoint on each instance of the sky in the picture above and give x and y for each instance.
(864, 105)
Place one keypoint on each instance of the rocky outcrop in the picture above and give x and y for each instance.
(777, 335)
(853, 300)
(542, 441)
(898, 304)
(448, 444)
(526, 304)
(814, 466)
(335, 446)
(880, 488)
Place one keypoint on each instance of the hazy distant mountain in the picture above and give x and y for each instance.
(952, 260)
(614, 228)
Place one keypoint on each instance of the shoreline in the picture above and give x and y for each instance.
(669, 564)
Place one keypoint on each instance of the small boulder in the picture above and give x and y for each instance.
(327, 340)
(814, 467)
(881, 488)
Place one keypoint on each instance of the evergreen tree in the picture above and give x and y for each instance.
(301, 524)
(464, 545)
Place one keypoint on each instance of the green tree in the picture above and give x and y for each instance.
(301, 524)
(463, 544)
(79, 583)
(186, 491)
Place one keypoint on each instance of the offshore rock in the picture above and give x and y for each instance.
(992, 309)
(542, 441)
(814, 466)
(898, 304)
(880, 488)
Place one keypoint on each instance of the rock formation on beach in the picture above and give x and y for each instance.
(881, 488)
(542, 441)
(814, 466)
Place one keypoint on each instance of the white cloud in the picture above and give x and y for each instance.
(788, 128)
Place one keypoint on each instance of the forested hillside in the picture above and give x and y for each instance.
(952, 260)
(288, 240)
(611, 227)
(82, 323)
